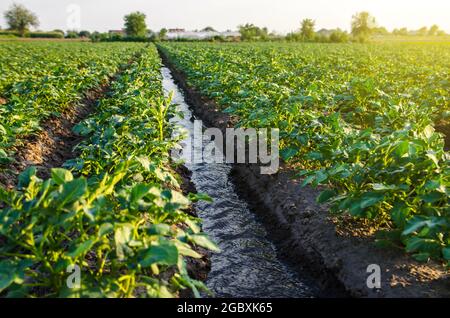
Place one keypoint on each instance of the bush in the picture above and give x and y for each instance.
(72, 35)
(9, 33)
(339, 36)
(46, 35)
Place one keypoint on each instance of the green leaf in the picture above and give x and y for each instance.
(400, 213)
(383, 187)
(137, 193)
(432, 197)
(308, 180)
(446, 253)
(105, 229)
(122, 236)
(3, 153)
(422, 257)
(7, 274)
(81, 248)
(25, 177)
(61, 176)
(13, 272)
(196, 197)
(203, 241)
(423, 245)
(325, 196)
(159, 229)
(433, 158)
(193, 226)
(428, 131)
(288, 153)
(371, 198)
(166, 253)
(415, 224)
(71, 192)
(402, 148)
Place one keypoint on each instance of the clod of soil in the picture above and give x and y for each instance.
(306, 234)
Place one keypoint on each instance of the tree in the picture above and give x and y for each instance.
(72, 34)
(380, 31)
(209, 29)
(84, 34)
(434, 29)
(363, 25)
(339, 36)
(403, 31)
(135, 25)
(162, 33)
(307, 29)
(250, 32)
(422, 31)
(20, 18)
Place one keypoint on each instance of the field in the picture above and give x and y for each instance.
(366, 123)
(116, 209)
(360, 119)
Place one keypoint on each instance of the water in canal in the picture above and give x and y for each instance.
(247, 265)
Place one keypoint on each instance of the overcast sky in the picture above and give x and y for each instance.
(278, 15)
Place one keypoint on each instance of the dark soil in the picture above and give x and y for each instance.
(444, 128)
(306, 234)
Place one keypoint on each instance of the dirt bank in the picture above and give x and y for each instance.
(305, 233)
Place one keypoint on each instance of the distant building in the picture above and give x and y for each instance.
(176, 30)
(325, 32)
(120, 32)
(199, 35)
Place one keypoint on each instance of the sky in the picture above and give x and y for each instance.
(281, 16)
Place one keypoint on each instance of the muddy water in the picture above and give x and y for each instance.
(247, 265)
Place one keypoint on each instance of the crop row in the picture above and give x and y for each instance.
(116, 212)
(359, 119)
(43, 80)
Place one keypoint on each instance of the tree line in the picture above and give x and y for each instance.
(363, 26)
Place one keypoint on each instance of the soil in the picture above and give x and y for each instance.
(306, 234)
(444, 128)
(54, 144)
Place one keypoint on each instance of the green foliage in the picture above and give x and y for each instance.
(41, 79)
(84, 34)
(46, 35)
(72, 35)
(20, 18)
(117, 212)
(135, 25)
(434, 30)
(251, 32)
(307, 29)
(339, 36)
(363, 25)
(350, 119)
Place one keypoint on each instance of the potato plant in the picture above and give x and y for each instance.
(358, 118)
(116, 212)
(42, 80)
